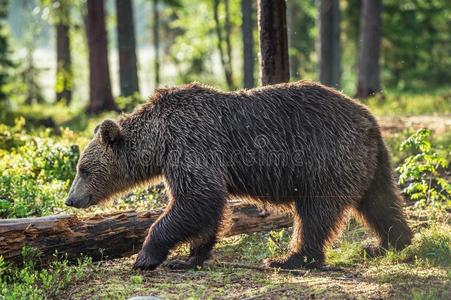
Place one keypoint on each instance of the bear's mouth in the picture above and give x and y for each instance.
(83, 202)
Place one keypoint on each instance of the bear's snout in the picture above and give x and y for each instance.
(79, 203)
(70, 201)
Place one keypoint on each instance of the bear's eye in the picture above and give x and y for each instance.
(84, 172)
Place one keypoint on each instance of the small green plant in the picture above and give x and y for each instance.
(422, 172)
(31, 282)
(278, 242)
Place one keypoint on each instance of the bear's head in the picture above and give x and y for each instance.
(102, 168)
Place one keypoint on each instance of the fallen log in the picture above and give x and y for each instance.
(108, 236)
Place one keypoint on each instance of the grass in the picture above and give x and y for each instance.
(420, 271)
(393, 103)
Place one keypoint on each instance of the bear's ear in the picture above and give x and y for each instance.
(109, 131)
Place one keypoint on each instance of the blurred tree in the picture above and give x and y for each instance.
(370, 40)
(272, 26)
(301, 42)
(64, 75)
(5, 61)
(29, 73)
(156, 41)
(329, 43)
(128, 72)
(248, 43)
(226, 56)
(100, 96)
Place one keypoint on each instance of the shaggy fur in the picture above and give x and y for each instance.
(300, 146)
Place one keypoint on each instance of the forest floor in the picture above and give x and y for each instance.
(421, 272)
(438, 124)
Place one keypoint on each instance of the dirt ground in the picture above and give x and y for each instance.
(234, 272)
(438, 124)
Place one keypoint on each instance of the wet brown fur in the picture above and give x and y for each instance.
(199, 140)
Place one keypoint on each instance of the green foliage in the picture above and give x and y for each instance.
(36, 171)
(31, 282)
(416, 43)
(129, 103)
(433, 246)
(422, 172)
(277, 242)
(396, 103)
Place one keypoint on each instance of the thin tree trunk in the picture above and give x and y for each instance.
(128, 71)
(274, 66)
(64, 76)
(248, 43)
(329, 61)
(100, 96)
(294, 37)
(111, 235)
(225, 58)
(370, 37)
(156, 41)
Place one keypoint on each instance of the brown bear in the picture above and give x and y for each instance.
(300, 146)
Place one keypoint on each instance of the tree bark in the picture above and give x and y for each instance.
(225, 56)
(248, 43)
(156, 41)
(108, 236)
(329, 43)
(274, 67)
(64, 76)
(370, 37)
(128, 71)
(100, 95)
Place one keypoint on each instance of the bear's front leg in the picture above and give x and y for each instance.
(195, 210)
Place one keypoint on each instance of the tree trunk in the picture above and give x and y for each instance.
(128, 72)
(64, 76)
(100, 96)
(370, 38)
(226, 59)
(156, 41)
(329, 43)
(272, 26)
(108, 236)
(248, 43)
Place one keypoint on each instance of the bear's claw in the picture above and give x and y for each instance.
(145, 262)
(178, 265)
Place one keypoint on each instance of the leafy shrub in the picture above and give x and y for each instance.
(31, 282)
(35, 171)
(422, 172)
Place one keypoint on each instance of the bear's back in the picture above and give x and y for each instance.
(271, 139)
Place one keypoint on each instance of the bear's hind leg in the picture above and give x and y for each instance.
(381, 206)
(315, 223)
(200, 251)
(381, 209)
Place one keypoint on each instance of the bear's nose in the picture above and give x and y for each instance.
(70, 201)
